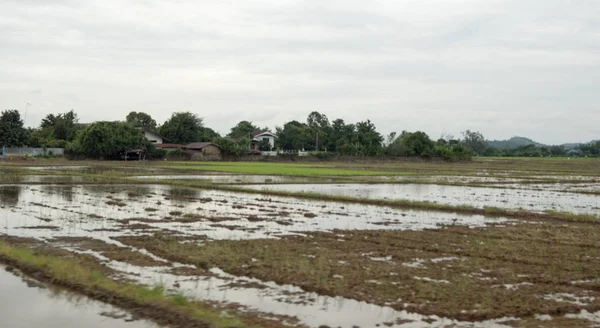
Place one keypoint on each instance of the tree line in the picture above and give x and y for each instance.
(317, 134)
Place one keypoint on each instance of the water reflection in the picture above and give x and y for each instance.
(27, 303)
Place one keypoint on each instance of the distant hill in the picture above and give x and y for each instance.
(577, 144)
(512, 143)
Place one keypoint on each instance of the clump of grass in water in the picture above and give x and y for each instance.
(116, 202)
(70, 273)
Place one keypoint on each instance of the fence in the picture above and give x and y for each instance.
(8, 152)
(275, 153)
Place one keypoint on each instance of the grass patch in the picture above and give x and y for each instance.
(280, 169)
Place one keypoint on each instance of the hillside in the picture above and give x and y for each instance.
(512, 143)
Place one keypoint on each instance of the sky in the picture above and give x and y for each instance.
(503, 67)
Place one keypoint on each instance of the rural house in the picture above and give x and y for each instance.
(153, 137)
(206, 151)
(259, 136)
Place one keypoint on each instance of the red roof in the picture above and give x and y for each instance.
(167, 145)
(199, 145)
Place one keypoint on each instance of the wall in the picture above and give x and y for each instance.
(208, 153)
(5, 151)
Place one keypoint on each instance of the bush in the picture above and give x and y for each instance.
(157, 153)
(107, 140)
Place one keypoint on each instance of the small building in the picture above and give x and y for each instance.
(575, 152)
(204, 151)
(261, 136)
(151, 136)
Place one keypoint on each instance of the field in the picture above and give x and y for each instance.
(489, 243)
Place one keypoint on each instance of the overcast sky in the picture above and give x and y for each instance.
(503, 67)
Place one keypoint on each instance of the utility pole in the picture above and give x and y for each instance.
(26, 108)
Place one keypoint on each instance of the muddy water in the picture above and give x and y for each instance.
(538, 200)
(46, 212)
(108, 211)
(26, 303)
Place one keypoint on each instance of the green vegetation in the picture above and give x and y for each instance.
(55, 131)
(107, 140)
(12, 133)
(141, 120)
(186, 127)
(277, 169)
(70, 273)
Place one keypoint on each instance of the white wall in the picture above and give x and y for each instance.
(271, 139)
(153, 137)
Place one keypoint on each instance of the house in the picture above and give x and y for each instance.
(153, 137)
(168, 146)
(575, 152)
(260, 136)
(206, 151)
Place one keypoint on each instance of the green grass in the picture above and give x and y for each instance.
(70, 273)
(279, 169)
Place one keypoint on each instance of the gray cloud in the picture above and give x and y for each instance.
(504, 67)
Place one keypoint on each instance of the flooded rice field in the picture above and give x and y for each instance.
(25, 303)
(533, 200)
(294, 262)
(94, 219)
(113, 210)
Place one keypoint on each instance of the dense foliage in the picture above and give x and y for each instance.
(12, 133)
(183, 128)
(141, 120)
(107, 140)
(55, 131)
(318, 135)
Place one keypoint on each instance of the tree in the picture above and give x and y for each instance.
(12, 133)
(208, 134)
(56, 130)
(182, 128)
(367, 135)
(294, 136)
(243, 129)
(475, 141)
(412, 144)
(141, 120)
(319, 124)
(342, 136)
(107, 140)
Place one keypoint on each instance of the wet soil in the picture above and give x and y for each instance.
(456, 272)
(110, 251)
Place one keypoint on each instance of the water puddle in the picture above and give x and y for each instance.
(44, 211)
(26, 303)
(454, 195)
(101, 212)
